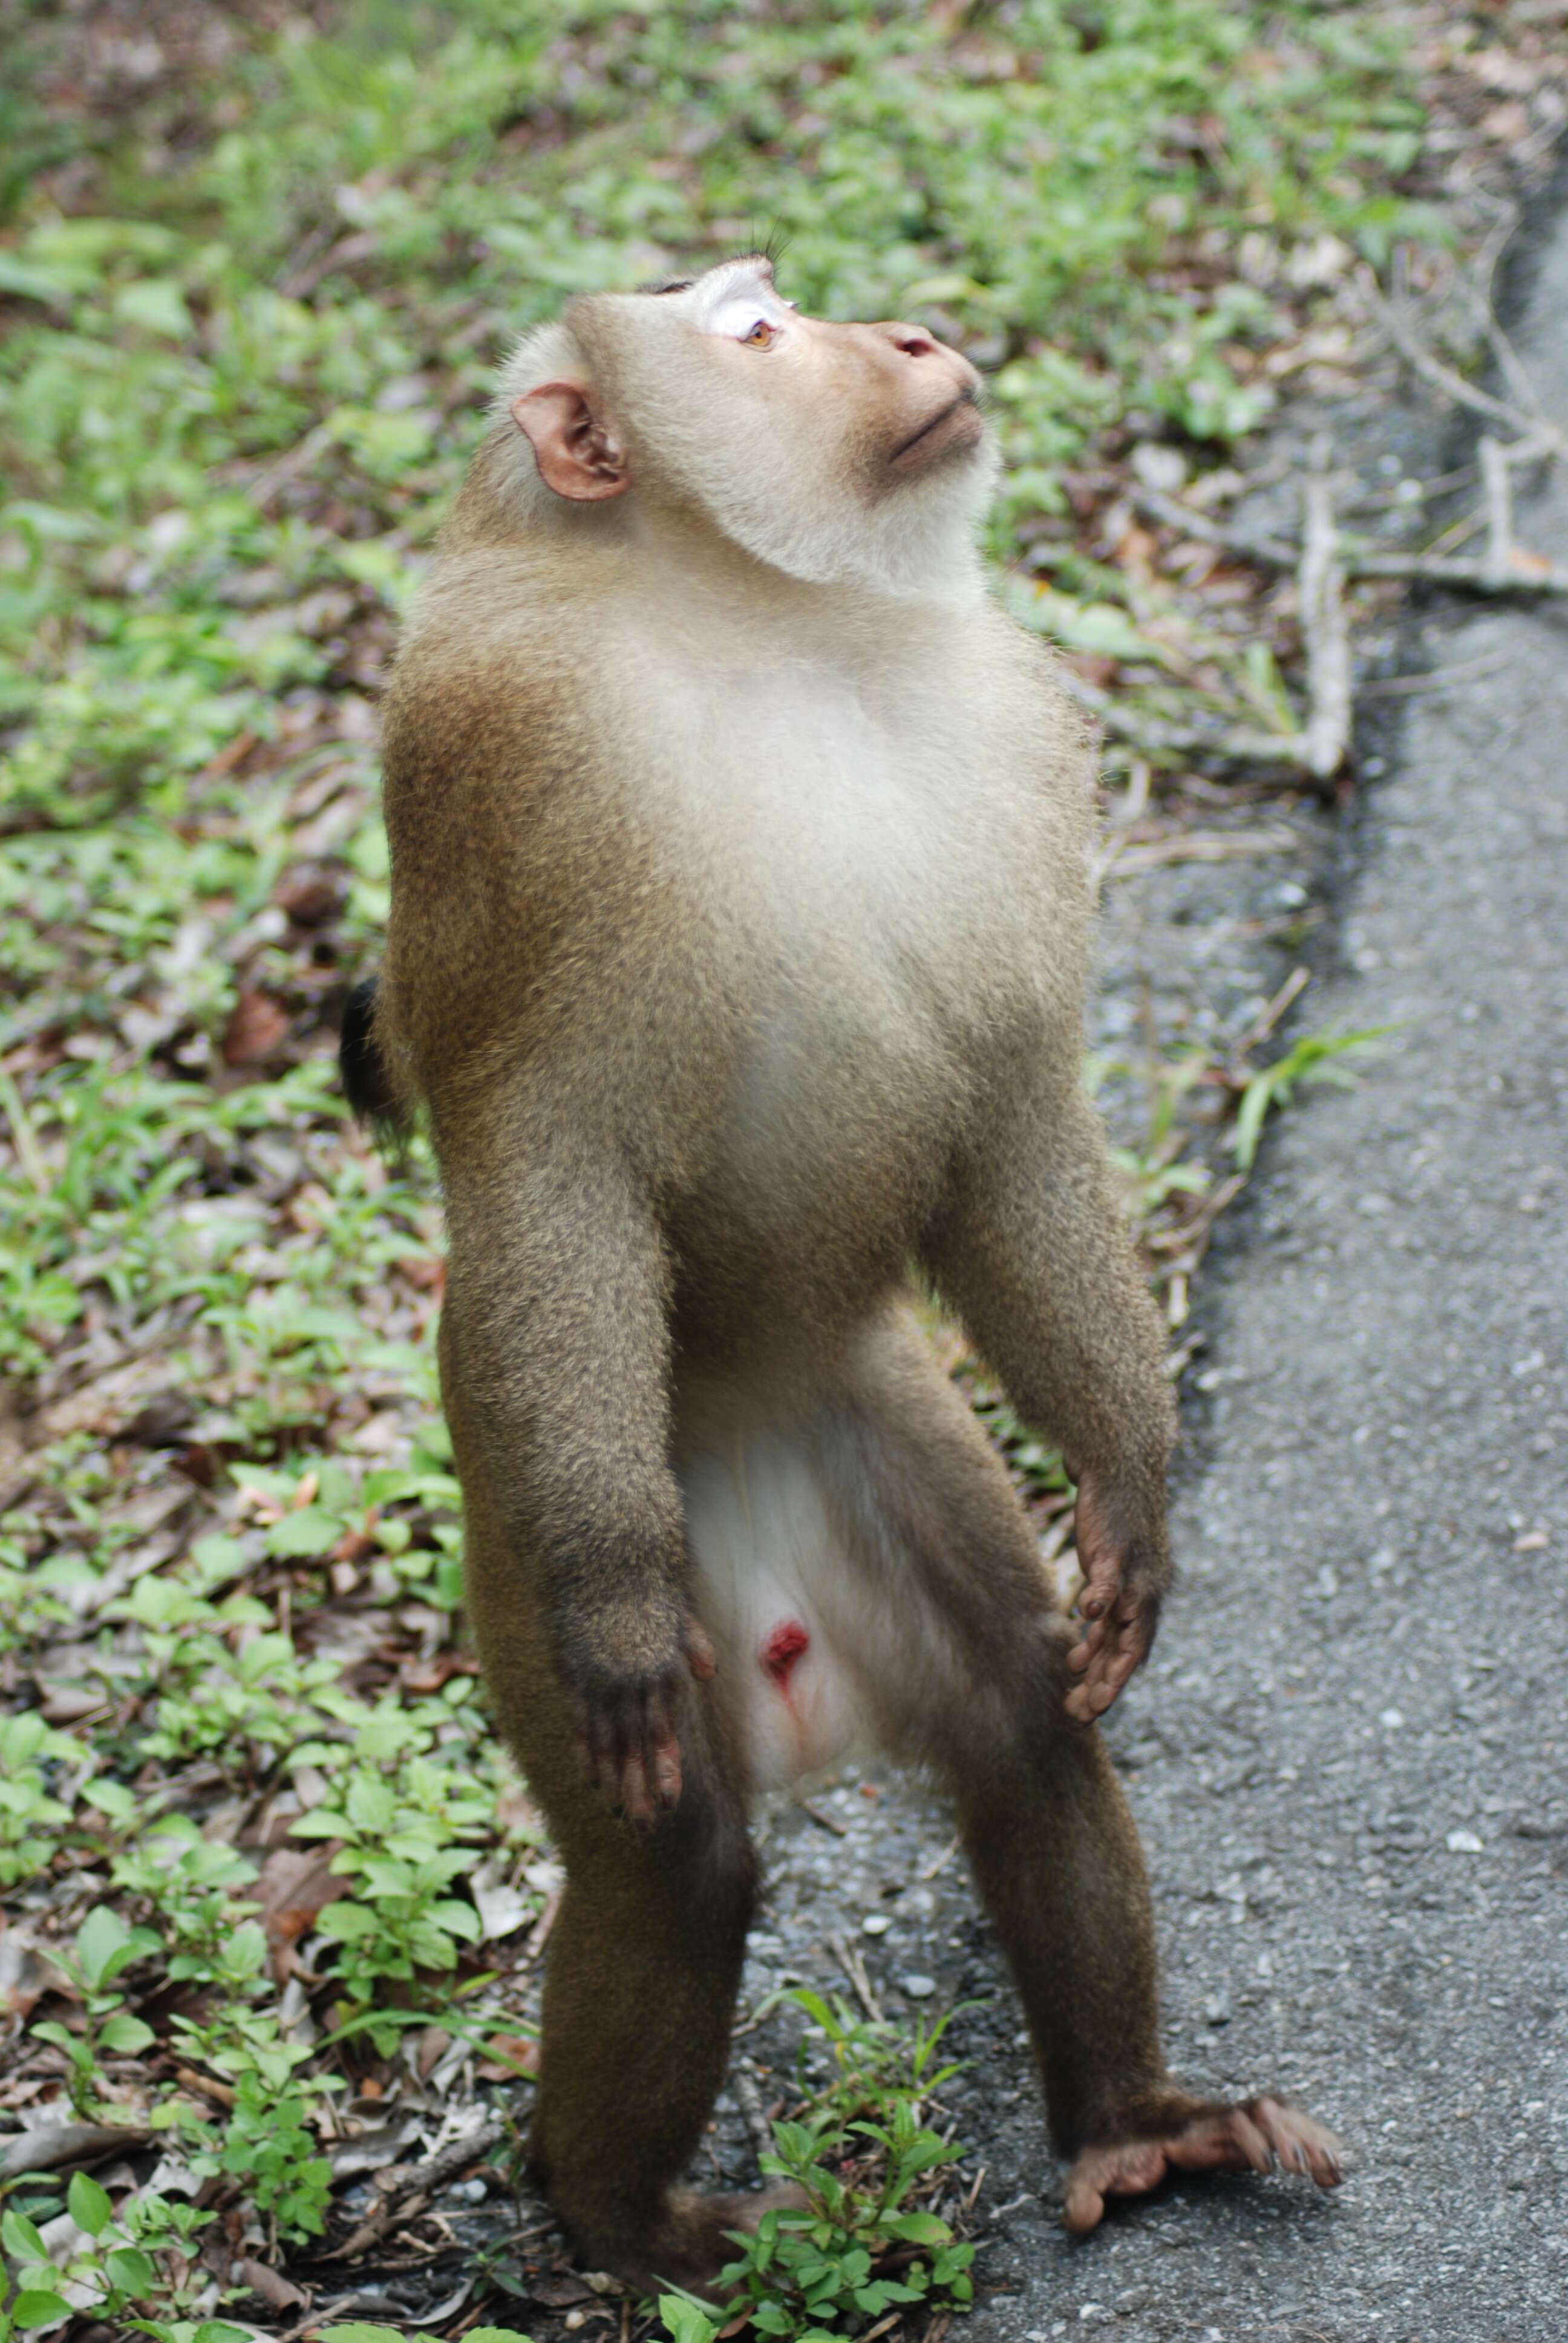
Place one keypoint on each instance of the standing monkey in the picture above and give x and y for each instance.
(739, 947)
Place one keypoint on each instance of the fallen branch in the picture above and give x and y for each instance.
(1320, 589)
(1272, 552)
(49, 2148)
(1497, 490)
(1527, 573)
(1400, 329)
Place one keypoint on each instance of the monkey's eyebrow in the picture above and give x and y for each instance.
(670, 285)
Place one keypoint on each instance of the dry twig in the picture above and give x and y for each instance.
(1325, 629)
(854, 1969)
(1401, 331)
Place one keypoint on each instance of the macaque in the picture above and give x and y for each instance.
(738, 951)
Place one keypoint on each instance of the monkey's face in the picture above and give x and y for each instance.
(883, 404)
(835, 452)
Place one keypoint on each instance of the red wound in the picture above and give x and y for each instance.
(782, 1649)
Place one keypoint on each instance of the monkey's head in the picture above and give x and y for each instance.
(840, 453)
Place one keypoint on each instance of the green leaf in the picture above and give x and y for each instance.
(33, 2307)
(103, 1943)
(344, 1923)
(686, 2320)
(358, 2331)
(132, 2272)
(89, 2205)
(124, 2033)
(307, 1532)
(918, 2228)
(371, 1804)
(20, 2239)
(157, 305)
(74, 2048)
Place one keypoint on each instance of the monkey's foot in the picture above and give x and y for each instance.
(693, 2241)
(1216, 2139)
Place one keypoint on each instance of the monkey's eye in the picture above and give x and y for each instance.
(743, 318)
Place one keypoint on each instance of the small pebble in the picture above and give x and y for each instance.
(918, 1988)
(876, 1924)
(1463, 1842)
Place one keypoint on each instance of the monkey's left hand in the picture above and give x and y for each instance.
(625, 1731)
(1124, 1580)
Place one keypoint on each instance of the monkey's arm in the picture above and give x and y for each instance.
(1032, 1251)
(558, 1337)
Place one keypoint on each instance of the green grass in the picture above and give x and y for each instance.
(250, 320)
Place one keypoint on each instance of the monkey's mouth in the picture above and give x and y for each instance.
(957, 425)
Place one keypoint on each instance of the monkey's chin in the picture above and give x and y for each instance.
(957, 432)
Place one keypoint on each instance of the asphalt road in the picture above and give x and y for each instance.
(1351, 1759)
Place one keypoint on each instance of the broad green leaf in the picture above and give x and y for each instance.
(132, 2272)
(358, 2331)
(124, 2033)
(307, 1532)
(89, 2205)
(344, 1923)
(371, 1804)
(20, 2237)
(103, 1945)
(918, 2228)
(33, 2307)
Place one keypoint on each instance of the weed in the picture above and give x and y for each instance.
(858, 2248)
(135, 2271)
(1313, 1059)
(104, 1947)
(27, 1811)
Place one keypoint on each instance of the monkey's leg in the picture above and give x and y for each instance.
(644, 1965)
(645, 1953)
(976, 1693)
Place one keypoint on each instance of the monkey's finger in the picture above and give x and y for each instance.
(635, 1795)
(664, 1771)
(700, 1653)
(594, 1741)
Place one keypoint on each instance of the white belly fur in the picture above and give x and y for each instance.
(767, 1560)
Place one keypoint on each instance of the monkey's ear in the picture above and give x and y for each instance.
(576, 456)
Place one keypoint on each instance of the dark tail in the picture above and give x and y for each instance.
(367, 1082)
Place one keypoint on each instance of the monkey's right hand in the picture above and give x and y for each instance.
(626, 1721)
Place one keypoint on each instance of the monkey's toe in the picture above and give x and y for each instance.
(1223, 2139)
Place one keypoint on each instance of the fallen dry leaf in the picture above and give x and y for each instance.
(277, 2291)
(256, 1030)
(292, 1888)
